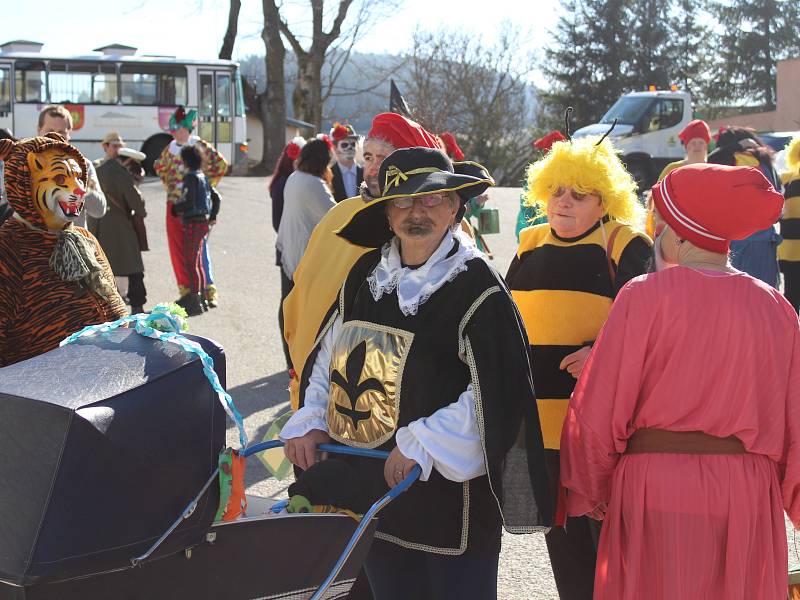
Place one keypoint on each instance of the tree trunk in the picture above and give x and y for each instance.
(307, 95)
(272, 102)
(226, 52)
(769, 65)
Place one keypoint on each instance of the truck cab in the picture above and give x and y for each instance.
(646, 135)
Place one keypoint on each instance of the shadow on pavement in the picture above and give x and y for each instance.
(261, 394)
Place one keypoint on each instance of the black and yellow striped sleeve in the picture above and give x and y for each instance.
(789, 249)
(635, 260)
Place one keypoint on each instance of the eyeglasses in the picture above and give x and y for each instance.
(346, 145)
(575, 193)
(428, 201)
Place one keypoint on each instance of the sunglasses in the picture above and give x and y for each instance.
(428, 201)
(346, 145)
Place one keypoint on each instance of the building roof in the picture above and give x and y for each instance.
(114, 47)
(299, 123)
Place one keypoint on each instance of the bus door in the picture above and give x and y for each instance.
(215, 122)
(6, 114)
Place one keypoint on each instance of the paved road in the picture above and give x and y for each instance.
(245, 324)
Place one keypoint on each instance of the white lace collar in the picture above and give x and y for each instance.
(415, 286)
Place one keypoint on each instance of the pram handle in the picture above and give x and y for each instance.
(335, 448)
(368, 516)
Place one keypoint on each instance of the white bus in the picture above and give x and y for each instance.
(119, 91)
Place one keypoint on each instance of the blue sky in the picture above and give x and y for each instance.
(194, 28)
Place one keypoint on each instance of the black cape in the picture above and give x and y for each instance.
(467, 332)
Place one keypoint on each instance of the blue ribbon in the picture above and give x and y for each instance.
(143, 326)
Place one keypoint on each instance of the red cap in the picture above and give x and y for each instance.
(546, 142)
(451, 147)
(400, 132)
(695, 129)
(709, 204)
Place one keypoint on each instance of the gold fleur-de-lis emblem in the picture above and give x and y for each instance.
(351, 386)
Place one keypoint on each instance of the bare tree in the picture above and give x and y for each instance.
(226, 51)
(307, 96)
(479, 92)
(332, 47)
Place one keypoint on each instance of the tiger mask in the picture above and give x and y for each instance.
(45, 180)
(56, 187)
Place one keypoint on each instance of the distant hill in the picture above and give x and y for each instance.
(362, 88)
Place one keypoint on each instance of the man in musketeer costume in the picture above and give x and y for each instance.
(328, 258)
(425, 355)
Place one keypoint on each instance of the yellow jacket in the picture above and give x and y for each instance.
(322, 270)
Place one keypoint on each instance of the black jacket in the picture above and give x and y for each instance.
(339, 193)
(195, 201)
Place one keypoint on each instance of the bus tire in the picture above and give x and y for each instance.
(152, 149)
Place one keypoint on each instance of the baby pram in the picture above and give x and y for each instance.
(103, 443)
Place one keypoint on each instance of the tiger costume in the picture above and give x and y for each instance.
(54, 277)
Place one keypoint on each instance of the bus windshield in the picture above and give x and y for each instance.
(627, 110)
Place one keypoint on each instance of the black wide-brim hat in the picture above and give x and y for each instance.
(407, 173)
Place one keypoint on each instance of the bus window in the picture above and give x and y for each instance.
(82, 83)
(29, 78)
(206, 106)
(5, 90)
(223, 108)
(153, 85)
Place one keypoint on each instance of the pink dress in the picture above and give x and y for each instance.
(689, 350)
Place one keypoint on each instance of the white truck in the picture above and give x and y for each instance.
(646, 135)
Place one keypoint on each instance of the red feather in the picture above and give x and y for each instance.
(340, 132)
(546, 142)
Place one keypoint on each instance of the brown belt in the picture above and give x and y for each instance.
(682, 442)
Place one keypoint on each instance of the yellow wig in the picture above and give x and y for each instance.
(589, 169)
(793, 155)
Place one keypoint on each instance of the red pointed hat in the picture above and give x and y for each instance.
(695, 129)
(710, 205)
(400, 132)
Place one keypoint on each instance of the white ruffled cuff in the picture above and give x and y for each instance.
(410, 447)
(303, 421)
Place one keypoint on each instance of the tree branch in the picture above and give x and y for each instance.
(297, 48)
(327, 38)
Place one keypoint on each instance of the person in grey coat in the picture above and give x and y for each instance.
(116, 231)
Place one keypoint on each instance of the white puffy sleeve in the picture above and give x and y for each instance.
(448, 440)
